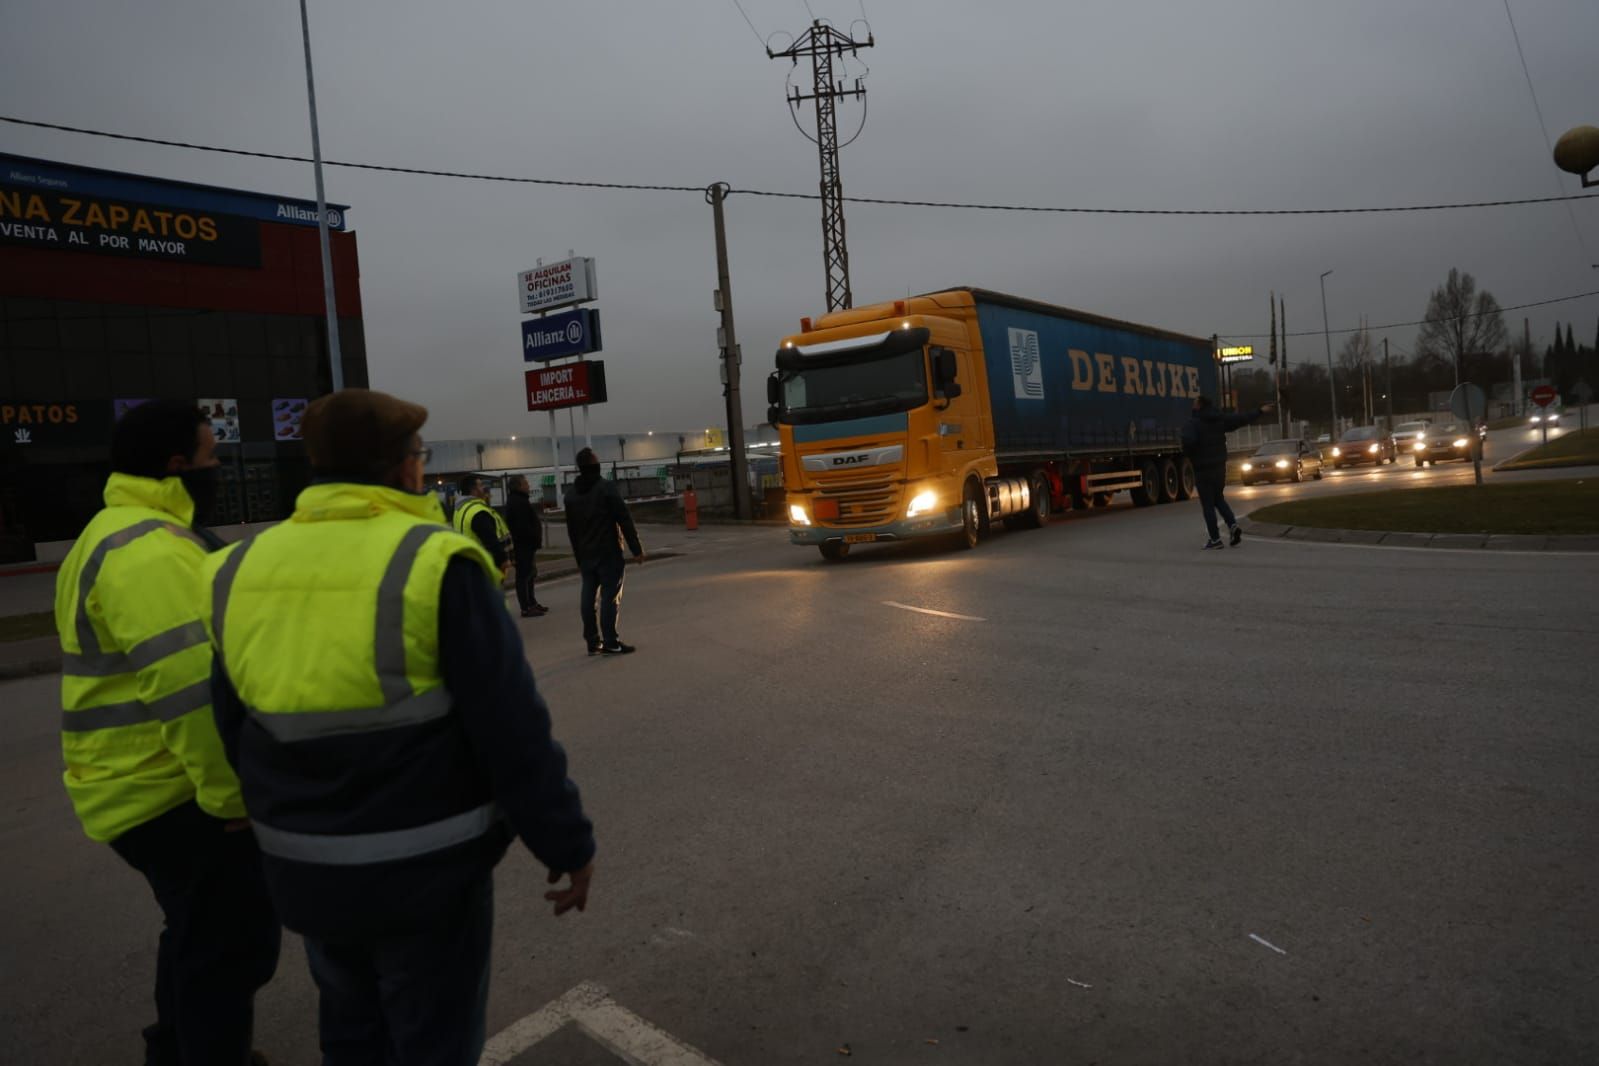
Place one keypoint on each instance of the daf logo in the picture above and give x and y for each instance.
(852, 460)
(821, 464)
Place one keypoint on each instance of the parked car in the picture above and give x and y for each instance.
(1405, 434)
(1364, 444)
(1450, 442)
(1290, 460)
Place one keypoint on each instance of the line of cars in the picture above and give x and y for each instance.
(1295, 460)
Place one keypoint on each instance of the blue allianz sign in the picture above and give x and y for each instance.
(557, 336)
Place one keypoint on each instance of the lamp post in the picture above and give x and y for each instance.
(335, 360)
(1326, 336)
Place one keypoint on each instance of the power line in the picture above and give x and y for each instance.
(1542, 125)
(751, 25)
(1406, 325)
(887, 201)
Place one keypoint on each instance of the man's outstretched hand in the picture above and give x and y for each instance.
(575, 894)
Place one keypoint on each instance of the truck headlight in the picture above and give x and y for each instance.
(922, 503)
(1282, 464)
(797, 515)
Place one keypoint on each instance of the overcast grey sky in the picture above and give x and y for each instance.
(1112, 103)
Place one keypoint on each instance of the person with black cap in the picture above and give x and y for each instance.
(144, 765)
(1204, 441)
(597, 521)
(373, 693)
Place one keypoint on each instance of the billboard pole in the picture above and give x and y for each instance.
(335, 361)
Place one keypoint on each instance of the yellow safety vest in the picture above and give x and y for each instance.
(469, 509)
(328, 625)
(137, 734)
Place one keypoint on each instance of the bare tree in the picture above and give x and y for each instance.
(1356, 352)
(1460, 322)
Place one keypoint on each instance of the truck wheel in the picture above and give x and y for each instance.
(833, 550)
(1148, 493)
(1185, 483)
(1169, 483)
(971, 518)
(1037, 515)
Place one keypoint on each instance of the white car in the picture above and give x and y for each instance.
(1407, 433)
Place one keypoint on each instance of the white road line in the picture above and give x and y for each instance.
(1079, 984)
(1490, 552)
(591, 1008)
(936, 614)
(1267, 943)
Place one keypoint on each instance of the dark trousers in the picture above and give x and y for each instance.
(409, 999)
(526, 570)
(1212, 485)
(220, 940)
(602, 580)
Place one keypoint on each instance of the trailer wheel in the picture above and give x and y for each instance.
(1169, 483)
(833, 550)
(1185, 483)
(971, 517)
(1148, 494)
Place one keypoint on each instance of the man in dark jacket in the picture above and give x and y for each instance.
(1205, 444)
(527, 537)
(597, 521)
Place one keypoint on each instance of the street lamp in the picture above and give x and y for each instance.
(1577, 152)
(1327, 339)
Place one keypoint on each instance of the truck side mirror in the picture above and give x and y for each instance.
(774, 390)
(773, 412)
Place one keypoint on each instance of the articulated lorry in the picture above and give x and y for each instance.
(941, 414)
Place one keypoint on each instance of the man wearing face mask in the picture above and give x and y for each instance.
(375, 697)
(144, 765)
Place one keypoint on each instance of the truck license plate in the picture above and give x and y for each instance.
(860, 538)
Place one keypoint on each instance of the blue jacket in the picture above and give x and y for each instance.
(495, 745)
(1205, 436)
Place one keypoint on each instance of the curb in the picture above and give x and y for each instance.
(1561, 542)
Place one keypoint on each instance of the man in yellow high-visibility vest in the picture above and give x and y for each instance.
(144, 765)
(375, 697)
(476, 517)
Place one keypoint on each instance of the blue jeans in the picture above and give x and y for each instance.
(1211, 484)
(416, 998)
(602, 579)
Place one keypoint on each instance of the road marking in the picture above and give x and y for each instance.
(935, 614)
(1490, 552)
(1262, 940)
(591, 1008)
(1079, 984)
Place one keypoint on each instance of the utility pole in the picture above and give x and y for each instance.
(1388, 383)
(821, 43)
(727, 341)
(1282, 324)
(335, 362)
(1332, 380)
(1515, 367)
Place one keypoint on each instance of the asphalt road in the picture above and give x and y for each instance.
(1045, 830)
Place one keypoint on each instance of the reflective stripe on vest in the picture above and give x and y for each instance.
(361, 849)
(401, 706)
(135, 712)
(96, 662)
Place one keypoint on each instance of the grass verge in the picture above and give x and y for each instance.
(27, 626)
(1570, 506)
(1571, 449)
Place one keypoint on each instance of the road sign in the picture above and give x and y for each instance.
(1468, 402)
(549, 285)
(1584, 392)
(572, 385)
(1544, 395)
(575, 332)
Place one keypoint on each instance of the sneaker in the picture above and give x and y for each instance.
(617, 649)
(1209, 544)
(1237, 537)
(594, 649)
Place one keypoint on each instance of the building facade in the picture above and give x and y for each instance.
(116, 288)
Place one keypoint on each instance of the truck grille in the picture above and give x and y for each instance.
(865, 498)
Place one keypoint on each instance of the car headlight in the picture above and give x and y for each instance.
(1337, 453)
(797, 515)
(1373, 449)
(1421, 444)
(1282, 464)
(1536, 419)
(1248, 467)
(1461, 443)
(922, 503)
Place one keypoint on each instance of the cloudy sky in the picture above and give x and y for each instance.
(1093, 103)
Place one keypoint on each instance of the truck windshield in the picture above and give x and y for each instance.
(874, 386)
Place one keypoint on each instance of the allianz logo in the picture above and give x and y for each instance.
(855, 459)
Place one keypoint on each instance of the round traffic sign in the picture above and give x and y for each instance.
(1468, 402)
(1544, 395)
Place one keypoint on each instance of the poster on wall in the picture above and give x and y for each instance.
(286, 415)
(224, 416)
(123, 406)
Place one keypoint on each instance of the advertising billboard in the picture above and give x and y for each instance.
(575, 332)
(551, 285)
(572, 385)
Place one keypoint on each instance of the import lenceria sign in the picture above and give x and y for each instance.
(575, 332)
(572, 385)
(548, 285)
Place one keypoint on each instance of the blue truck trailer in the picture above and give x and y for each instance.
(943, 413)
